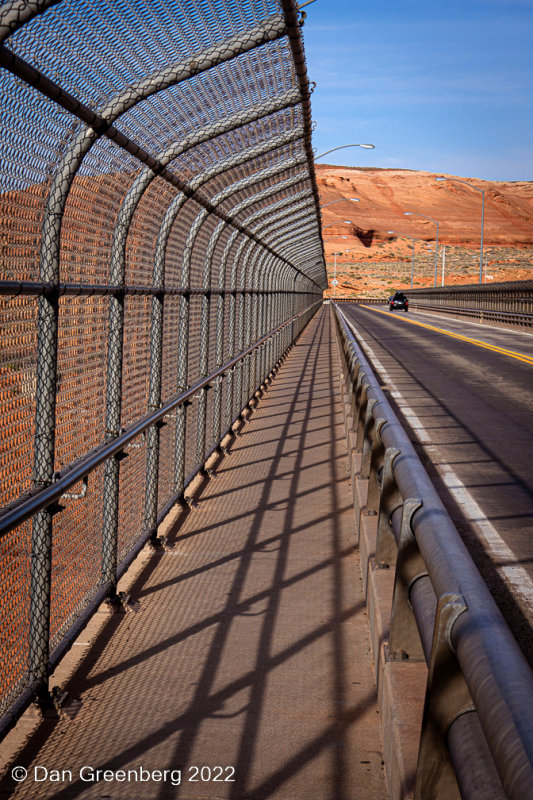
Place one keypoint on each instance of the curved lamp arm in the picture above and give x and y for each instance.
(365, 146)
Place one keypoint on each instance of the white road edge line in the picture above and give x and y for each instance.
(513, 574)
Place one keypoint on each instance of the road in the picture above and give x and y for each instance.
(464, 392)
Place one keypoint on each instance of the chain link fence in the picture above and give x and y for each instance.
(160, 250)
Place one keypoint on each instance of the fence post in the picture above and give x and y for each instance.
(113, 410)
(156, 369)
(43, 472)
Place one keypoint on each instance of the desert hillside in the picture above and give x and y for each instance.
(371, 261)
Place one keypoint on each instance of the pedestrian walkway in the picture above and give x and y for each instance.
(244, 671)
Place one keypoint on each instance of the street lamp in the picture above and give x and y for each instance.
(413, 256)
(335, 272)
(342, 146)
(418, 214)
(459, 180)
(349, 250)
(339, 200)
(335, 261)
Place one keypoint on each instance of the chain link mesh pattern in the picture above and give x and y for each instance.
(15, 550)
(148, 150)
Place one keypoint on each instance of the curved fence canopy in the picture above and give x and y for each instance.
(160, 249)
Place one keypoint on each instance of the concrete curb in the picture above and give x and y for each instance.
(401, 684)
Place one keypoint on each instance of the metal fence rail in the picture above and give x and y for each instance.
(479, 700)
(160, 250)
(509, 303)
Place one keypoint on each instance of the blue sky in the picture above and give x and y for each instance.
(438, 85)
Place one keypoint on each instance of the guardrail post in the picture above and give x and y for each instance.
(404, 639)
(368, 440)
(390, 499)
(447, 696)
(361, 402)
(376, 468)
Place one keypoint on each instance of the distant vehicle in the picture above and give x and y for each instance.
(398, 300)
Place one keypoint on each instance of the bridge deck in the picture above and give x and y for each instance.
(250, 648)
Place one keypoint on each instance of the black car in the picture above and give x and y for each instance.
(398, 300)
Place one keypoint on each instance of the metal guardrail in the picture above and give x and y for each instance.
(479, 314)
(478, 718)
(160, 248)
(509, 303)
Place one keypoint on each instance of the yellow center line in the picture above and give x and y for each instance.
(502, 350)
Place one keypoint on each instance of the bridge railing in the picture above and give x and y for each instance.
(477, 729)
(509, 303)
(506, 304)
(160, 250)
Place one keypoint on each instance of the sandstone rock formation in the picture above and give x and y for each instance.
(378, 261)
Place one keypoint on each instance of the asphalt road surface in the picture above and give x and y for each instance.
(468, 406)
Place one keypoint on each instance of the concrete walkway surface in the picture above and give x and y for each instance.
(245, 670)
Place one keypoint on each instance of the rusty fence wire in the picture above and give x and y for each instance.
(160, 250)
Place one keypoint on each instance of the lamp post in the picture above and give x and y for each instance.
(340, 200)
(413, 255)
(335, 261)
(418, 214)
(335, 272)
(348, 222)
(342, 146)
(460, 180)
